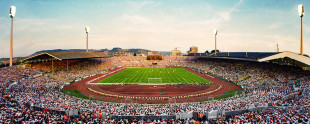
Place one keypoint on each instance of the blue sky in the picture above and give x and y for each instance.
(244, 25)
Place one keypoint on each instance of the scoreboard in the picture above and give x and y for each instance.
(154, 57)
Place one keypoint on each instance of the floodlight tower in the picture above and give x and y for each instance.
(12, 14)
(87, 30)
(301, 14)
(215, 33)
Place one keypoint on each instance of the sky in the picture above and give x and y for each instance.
(162, 25)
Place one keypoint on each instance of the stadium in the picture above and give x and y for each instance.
(176, 88)
(143, 86)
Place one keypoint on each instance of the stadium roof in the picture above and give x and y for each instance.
(197, 54)
(283, 58)
(249, 56)
(299, 59)
(45, 56)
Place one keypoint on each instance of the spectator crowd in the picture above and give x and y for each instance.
(266, 85)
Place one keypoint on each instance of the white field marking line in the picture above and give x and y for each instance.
(95, 79)
(123, 80)
(104, 75)
(209, 76)
(185, 80)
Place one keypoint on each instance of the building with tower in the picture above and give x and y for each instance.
(192, 49)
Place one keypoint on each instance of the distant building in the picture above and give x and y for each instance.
(149, 53)
(176, 53)
(192, 49)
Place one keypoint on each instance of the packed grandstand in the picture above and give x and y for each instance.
(270, 93)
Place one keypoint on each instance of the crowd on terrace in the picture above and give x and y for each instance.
(267, 85)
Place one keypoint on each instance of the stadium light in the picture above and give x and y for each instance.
(301, 14)
(215, 33)
(87, 30)
(301, 10)
(12, 11)
(12, 14)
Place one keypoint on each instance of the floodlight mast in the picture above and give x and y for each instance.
(87, 30)
(215, 33)
(12, 14)
(301, 14)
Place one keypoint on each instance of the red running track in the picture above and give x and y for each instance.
(135, 90)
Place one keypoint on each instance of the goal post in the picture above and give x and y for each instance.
(155, 80)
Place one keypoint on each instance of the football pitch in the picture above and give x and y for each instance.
(154, 75)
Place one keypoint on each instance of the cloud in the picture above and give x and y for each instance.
(137, 19)
(138, 5)
(306, 28)
(151, 31)
(226, 15)
(220, 17)
(31, 24)
(156, 26)
(276, 25)
(33, 34)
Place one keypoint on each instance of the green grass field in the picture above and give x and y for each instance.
(141, 75)
(76, 93)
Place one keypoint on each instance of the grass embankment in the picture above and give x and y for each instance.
(228, 94)
(77, 94)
